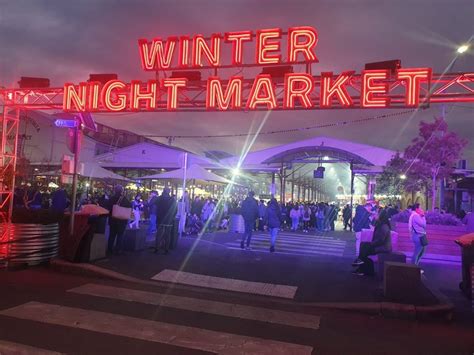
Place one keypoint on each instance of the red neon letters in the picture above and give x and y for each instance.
(298, 86)
(374, 89)
(300, 90)
(216, 98)
(413, 79)
(331, 88)
(174, 52)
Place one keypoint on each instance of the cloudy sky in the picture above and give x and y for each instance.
(67, 40)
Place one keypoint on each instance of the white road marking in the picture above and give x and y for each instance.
(148, 330)
(221, 283)
(9, 348)
(286, 251)
(301, 246)
(203, 306)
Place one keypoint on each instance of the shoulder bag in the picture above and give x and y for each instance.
(423, 239)
(119, 212)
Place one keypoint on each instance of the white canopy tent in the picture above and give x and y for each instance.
(90, 170)
(195, 172)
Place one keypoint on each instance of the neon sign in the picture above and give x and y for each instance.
(270, 90)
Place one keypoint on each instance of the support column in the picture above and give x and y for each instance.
(282, 185)
(352, 192)
(292, 186)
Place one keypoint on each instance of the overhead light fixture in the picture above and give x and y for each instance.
(463, 49)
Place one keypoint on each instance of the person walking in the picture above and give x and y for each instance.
(306, 218)
(117, 225)
(332, 216)
(152, 212)
(273, 219)
(137, 206)
(346, 216)
(166, 209)
(320, 217)
(417, 226)
(295, 218)
(261, 215)
(249, 211)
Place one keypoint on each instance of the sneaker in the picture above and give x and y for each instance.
(272, 249)
(358, 273)
(357, 262)
(241, 245)
(248, 247)
(422, 271)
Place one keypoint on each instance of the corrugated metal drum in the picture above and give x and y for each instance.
(236, 224)
(32, 244)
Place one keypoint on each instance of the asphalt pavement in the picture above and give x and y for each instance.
(43, 311)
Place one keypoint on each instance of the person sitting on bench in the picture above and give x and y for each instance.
(381, 243)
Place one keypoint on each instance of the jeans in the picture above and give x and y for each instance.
(117, 228)
(294, 223)
(136, 219)
(419, 249)
(152, 225)
(347, 223)
(248, 232)
(163, 237)
(273, 235)
(320, 223)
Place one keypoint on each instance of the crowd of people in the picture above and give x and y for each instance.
(201, 215)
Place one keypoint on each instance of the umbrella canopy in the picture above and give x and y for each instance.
(91, 170)
(193, 172)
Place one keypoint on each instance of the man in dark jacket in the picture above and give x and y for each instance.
(59, 200)
(249, 211)
(166, 209)
(273, 219)
(117, 226)
(346, 216)
(362, 217)
(151, 205)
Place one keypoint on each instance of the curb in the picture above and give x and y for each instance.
(442, 311)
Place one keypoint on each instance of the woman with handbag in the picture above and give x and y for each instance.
(120, 210)
(417, 225)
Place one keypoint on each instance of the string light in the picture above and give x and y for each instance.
(291, 130)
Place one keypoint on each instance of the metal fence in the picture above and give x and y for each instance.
(29, 244)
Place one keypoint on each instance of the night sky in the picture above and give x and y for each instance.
(67, 40)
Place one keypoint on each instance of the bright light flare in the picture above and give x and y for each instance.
(236, 172)
(403, 176)
(463, 49)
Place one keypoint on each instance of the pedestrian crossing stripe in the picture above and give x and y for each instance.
(308, 239)
(288, 251)
(303, 236)
(199, 305)
(308, 248)
(297, 242)
(153, 331)
(221, 283)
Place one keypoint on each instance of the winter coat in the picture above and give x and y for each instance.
(207, 210)
(124, 202)
(273, 215)
(166, 209)
(249, 209)
(152, 208)
(294, 213)
(382, 240)
(261, 210)
(361, 219)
